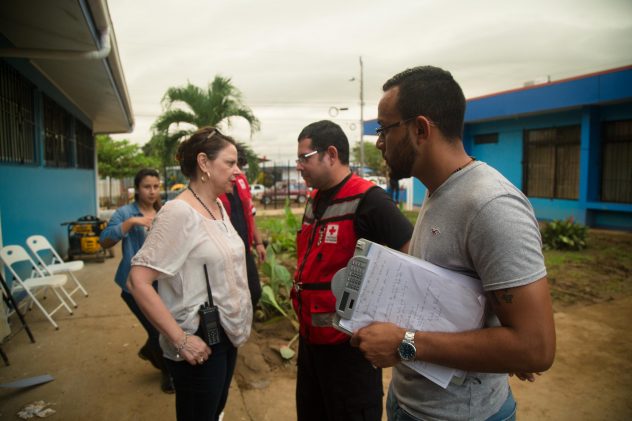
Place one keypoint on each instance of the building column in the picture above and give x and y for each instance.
(589, 160)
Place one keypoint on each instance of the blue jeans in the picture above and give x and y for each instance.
(202, 390)
(394, 412)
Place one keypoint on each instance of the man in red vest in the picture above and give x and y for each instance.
(240, 209)
(334, 380)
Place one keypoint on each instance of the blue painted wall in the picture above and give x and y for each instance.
(587, 101)
(581, 91)
(507, 157)
(36, 200)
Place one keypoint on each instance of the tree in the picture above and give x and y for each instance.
(218, 103)
(120, 159)
(163, 147)
(253, 163)
(372, 158)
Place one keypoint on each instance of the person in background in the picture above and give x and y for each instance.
(191, 248)
(130, 223)
(473, 220)
(393, 185)
(239, 206)
(334, 381)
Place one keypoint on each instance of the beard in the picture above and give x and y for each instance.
(402, 159)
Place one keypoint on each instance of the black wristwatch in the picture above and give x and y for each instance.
(406, 349)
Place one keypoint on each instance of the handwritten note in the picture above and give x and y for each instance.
(417, 295)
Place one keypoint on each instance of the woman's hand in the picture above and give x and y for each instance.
(195, 351)
(143, 221)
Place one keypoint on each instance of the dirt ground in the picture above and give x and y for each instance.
(98, 376)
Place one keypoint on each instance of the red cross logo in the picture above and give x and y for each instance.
(332, 234)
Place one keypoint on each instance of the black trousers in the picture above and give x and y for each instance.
(254, 284)
(336, 383)
(202, 390)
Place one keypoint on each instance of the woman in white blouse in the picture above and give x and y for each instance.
(188, 233)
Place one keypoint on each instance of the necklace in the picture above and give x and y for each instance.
(472, 159)
(205, 207)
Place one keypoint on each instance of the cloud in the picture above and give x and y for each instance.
(293, 60)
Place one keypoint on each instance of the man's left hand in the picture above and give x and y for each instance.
(261, 252)
(379, 342)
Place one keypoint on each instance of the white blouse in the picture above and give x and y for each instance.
(179, 243)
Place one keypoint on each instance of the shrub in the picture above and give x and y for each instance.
(282, 232)
(564, 235)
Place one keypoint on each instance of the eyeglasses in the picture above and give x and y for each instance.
(382, 131)
(304, 157)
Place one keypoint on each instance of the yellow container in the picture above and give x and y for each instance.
(90, 245)
(82, 228)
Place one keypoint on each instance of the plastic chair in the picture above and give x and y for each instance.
(39, 246)
(15, 256)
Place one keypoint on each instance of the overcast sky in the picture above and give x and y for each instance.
(293, 60)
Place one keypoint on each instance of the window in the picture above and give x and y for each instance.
(616, 178)
(85, 146)
(17, 128)
(552, 162)
(480, 139)
(57, 147)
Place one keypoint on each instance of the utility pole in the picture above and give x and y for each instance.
(361, 118)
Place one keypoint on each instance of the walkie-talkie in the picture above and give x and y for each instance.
(209, 317)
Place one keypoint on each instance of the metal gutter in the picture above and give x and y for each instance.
(37, 53)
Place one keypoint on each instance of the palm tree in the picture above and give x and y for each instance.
(209, 107)
(220, 101)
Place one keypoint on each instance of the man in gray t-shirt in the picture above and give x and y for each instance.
(473, 221)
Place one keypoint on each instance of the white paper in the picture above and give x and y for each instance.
(417, 295)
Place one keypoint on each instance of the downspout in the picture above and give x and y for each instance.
(36, 53)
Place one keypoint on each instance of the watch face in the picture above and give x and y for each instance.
(407, 351)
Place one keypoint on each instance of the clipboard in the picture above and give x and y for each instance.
(381, 284)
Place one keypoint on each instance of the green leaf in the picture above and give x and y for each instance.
(286, 352)
(267, 297)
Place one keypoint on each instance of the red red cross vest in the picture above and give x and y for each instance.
(323, 246)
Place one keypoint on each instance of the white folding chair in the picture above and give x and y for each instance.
(14, 256)
(41, 248)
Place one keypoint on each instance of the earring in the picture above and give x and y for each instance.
(208, 176)
(203, 179)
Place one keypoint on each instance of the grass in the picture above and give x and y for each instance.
(601, 272)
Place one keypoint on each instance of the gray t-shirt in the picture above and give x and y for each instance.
(480, 224)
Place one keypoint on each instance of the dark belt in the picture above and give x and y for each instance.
(312, 286)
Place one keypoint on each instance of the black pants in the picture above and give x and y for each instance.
(254, 284)
(202, 390)
(336, 382)
(152, 343)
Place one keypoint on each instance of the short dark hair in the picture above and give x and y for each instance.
(324, 134)
(208, 140)
(138, 178)
(431, 92)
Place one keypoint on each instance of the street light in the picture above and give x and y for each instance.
(361, 172)
(333, 111)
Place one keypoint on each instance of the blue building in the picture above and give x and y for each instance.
(61, 82)
(567, 144)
